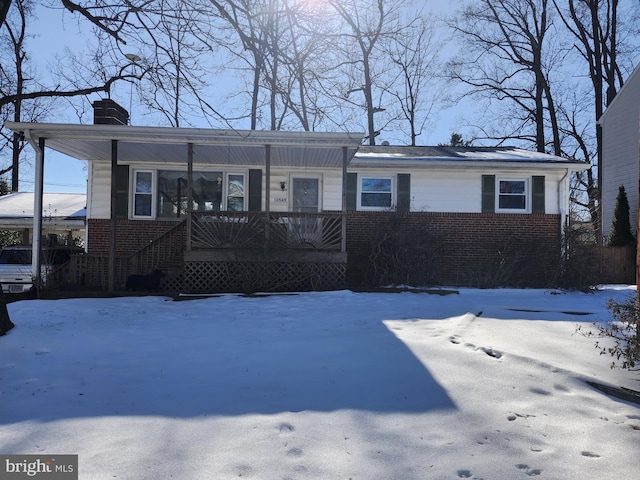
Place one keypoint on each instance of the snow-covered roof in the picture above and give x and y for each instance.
(451, 157)
(67, 210)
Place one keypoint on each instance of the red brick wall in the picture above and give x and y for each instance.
(480, 250)
(131, 235)
(457, 249)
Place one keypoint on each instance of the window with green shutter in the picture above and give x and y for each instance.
(488, 193)
(404, 192)
(537, 194)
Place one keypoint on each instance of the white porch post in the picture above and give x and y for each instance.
(37, 207)
(343, 240)
(189, 193)
(267, 191)
(112, 232)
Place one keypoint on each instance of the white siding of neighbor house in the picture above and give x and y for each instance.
(620, 136)
(431, 190)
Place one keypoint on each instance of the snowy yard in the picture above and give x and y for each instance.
(482, 384)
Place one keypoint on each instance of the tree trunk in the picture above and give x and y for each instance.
(5, 322)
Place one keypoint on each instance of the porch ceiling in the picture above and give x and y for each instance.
(152, 145)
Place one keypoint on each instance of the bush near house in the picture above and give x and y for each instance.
(623, 329)
(620, 234)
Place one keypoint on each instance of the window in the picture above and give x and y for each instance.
(376, 193)
(143, 194)
(512, 195)
(211, 191)
(235, 192)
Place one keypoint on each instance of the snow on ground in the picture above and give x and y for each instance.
(482, 384)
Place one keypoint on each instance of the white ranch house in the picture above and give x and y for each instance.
(229, 210)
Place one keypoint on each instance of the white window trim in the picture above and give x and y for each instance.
(154, 189)
(154, 193)
(225, 188)
(527, 194)
(376, 209)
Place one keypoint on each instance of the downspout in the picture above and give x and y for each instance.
(563, 207)
(37, 208)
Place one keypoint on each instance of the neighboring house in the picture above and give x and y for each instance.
(620, 149)
(303, 210)
(63, 214)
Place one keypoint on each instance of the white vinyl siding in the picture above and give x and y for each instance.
(431, 190)
(99, 190)
(461, 191)
(620, 133)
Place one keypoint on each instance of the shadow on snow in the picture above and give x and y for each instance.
(263, 366)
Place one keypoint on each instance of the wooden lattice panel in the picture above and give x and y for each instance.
(249, 277)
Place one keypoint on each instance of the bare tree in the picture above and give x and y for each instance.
(4, 8)
(172, 60)
(414, 52)
(16, 78)
(508, 60)
(594, 25)
(248, 19)
(367, 28)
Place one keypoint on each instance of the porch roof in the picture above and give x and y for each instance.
(155, 145)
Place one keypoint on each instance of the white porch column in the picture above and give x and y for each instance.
(345, 160)
(189, 193)
(112, 231)
(37, 208)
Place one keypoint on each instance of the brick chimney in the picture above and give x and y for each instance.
(108, 112)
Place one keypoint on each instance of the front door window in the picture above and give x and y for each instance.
(306, 195)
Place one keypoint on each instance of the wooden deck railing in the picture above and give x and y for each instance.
(158, 252)
(255, 230)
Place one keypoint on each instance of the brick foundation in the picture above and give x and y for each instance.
(131, 235)
(419, 248)
(458, 249)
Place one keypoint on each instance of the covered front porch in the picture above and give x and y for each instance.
(213, 252)
(269, 235)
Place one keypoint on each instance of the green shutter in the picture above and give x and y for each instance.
(352, 191)
(404, 192)
(255, 190)
(537, 195)
(488, 193)
(122, 191)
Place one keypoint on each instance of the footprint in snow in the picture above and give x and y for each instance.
(590, 455)
(464, 474)
(491, 352)
(286, 427)
(530, 472)
(295, 452)
(540, 391)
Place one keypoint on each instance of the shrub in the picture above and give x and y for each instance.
(620, 234)
(623, 330)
